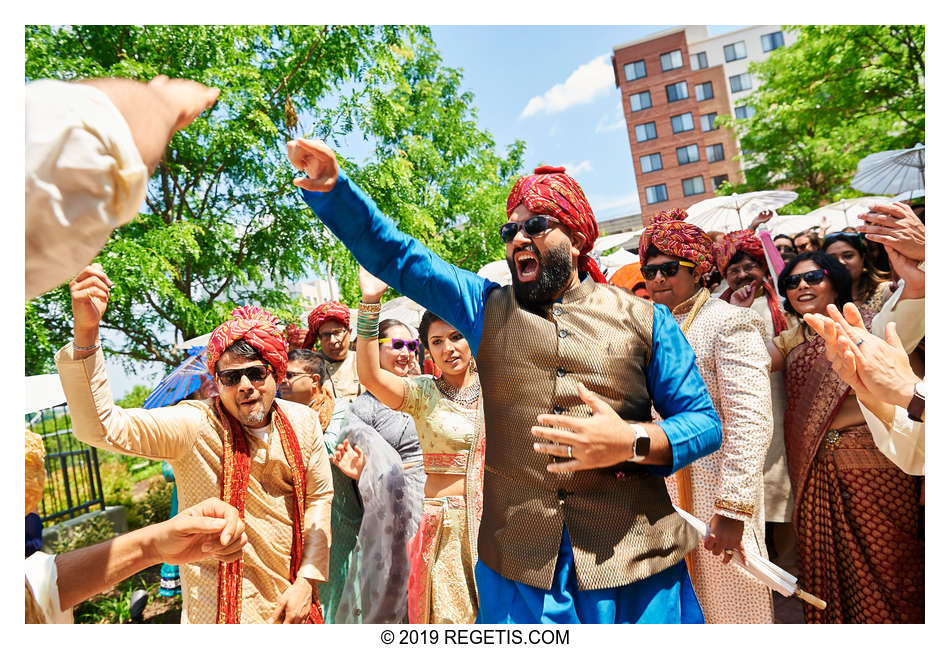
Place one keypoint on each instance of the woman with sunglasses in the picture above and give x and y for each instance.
(856, 513)
(869, 286)
(447, 413)
(381, 452)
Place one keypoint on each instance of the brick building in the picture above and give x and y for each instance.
(673, 86)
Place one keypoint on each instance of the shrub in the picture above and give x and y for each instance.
(90, 532)
(155, 507)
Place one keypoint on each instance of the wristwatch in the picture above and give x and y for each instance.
(915, 409)
(641, 444)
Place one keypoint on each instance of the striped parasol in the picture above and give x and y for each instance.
(182, 381)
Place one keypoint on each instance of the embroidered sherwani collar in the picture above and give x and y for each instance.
(684, 307)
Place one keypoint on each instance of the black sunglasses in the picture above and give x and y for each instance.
(668, 268)
(292, 375)
(254, 374)
(533, 227)
(812, 278)
(397, 343)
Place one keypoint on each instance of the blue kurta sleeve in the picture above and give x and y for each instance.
(680, 395)
(455, 294)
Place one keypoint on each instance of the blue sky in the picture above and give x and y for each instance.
(551, 86)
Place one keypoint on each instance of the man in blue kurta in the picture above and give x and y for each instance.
(577, 524)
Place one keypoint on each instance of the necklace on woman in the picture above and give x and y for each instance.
(465, 396)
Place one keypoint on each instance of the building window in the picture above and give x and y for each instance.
(652, 162)
(704, 91)
(772, 41)
(718, 180)
(671, 60)
(682, 122)
(677, 92)
(734, 51)
(645, 132)
(656, 194)
(693, 186)
(742, 112)
(687, 154)
(740, 82)
(698, 61)
(640, 101)
(707, 122)
(714, 153)
(635, 70)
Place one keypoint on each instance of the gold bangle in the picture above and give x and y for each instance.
(373, 307)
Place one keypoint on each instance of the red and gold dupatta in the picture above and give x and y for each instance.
(236, 466)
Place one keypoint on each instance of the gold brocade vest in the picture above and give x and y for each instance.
(620, 520)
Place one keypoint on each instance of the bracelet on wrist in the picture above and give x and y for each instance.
(370, 307)
(78, 348)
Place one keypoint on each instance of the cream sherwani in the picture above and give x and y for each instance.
(734, 363)
(188, 435)
(779, 500)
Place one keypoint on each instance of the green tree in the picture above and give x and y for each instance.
(837, 94)
(135, 397)
(223, 225)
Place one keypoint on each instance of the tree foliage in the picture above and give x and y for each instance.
(837, 94)
(222, 224)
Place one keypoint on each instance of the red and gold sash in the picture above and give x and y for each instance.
(236, 466)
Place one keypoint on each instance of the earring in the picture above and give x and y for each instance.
(471, 366)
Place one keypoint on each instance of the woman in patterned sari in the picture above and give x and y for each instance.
(857, 515)
(447, 412)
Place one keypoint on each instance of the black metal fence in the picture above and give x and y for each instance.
(73, 484)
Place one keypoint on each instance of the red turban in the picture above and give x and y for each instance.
(739, 241)
(746, 241)
(552, 192)
(259, 329)
(673, 236)
(326, 311)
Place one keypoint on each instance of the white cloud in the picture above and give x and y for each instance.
(585, 84)
(605, 125)
(576, 169)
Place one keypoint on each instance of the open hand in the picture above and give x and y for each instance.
(317, 160)
(603, 439)
(349, 459)
(212, 528)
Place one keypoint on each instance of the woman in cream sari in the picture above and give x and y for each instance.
(447, 412)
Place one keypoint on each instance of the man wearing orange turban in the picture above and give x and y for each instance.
(262, 455)
(577, 525)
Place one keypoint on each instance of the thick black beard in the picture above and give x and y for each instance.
(554, 273)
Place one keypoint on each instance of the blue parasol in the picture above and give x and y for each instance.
(182, 381)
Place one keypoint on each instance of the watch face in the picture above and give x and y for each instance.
(642, 447)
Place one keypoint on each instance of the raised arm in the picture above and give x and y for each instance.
(385, 386)
(162, 433)
(402, 262)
